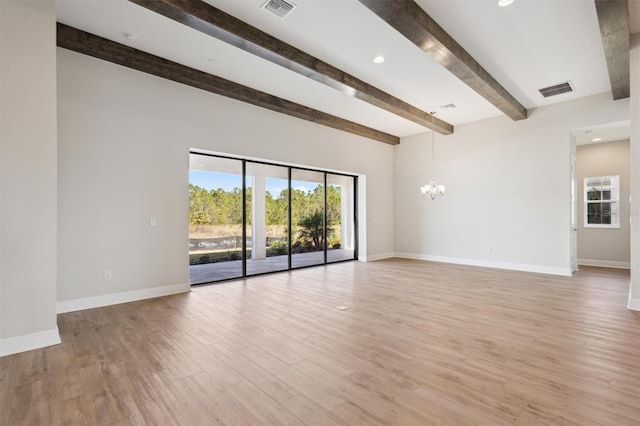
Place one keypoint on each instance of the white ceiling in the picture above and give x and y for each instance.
(610, 132)
(526, 46)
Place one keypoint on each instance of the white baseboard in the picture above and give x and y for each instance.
(27, 342)
(375, 257)
(604, 263)
(116, 298)
(565, 272)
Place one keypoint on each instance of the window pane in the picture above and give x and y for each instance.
(594, 215)
(269, 216)
(340, 218)
(601, 196)
(594, 194)
(601, 213)
(606, 213)
(307, 218)
(215, 219)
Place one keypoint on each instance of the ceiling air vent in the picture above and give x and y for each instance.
(280, 8)
(556, 90)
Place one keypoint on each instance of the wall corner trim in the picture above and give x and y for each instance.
(27, 342)
(633, 304)
(550, 270)
(375, 257)
(117, 298)
(604, 263)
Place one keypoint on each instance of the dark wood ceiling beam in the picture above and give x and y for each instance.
(98, 47)
(613, 18)
(211, 21)
(416, 25)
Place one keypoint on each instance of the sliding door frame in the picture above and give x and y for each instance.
(290, 169)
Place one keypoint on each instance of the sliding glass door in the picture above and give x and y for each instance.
(215, 219)
(267, 218)
(308, 225)
(341, 244)
(248, 217)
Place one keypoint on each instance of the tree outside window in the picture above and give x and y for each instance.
(601, 202)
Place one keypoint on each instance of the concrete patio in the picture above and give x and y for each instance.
(218, 271)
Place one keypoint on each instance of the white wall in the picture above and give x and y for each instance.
(508, 189)
(27, 175)
(124, 140)
(607, 247)
(634, 293)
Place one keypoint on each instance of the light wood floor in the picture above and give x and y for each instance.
(422, 343)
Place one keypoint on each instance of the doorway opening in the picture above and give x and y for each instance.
(602, 187)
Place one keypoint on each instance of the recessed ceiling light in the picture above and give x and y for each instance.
(378, 59)
(130, 36)
(503, 3)
(596, 139)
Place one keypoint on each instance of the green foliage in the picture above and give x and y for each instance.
(278, 248)
(213, 257)
(312, 229)
(220, 207)
(333, 204)
(216, 207)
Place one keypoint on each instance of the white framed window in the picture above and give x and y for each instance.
(602, 202)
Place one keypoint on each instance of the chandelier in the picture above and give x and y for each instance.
(432, 189)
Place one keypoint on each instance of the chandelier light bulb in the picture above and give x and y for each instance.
(432, 189)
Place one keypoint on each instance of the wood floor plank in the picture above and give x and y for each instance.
(70, 412)
(183, 406)
(32, 365)
(311, 413)
(302, 383)
(141, 403)
(8, 372)
(422, 343)
(105, 407)
(352, 414)
(144, 401)
(65, 385)
(261, 405)
(265, 380)
(321, 356)
(204, 358)
(467, 404)
(373, 403)
(406, 400)
(285, 354)
(30, 403)
(577, 407)
(223, 408)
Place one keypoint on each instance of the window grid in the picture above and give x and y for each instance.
(601, 202)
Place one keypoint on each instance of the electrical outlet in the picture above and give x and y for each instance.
(153, 222)
(107, 275)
